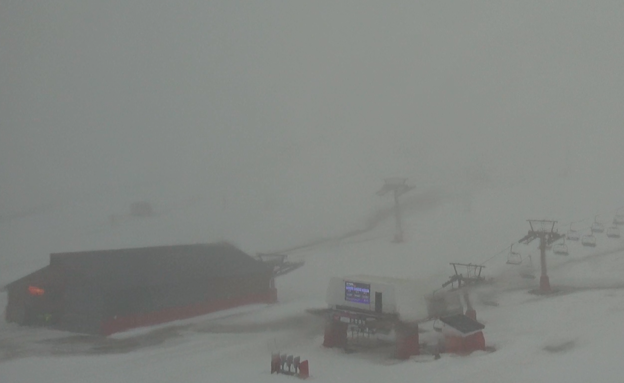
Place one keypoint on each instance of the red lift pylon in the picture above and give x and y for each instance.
(545, 231)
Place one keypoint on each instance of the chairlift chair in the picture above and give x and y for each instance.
(514, 258)
(597, 227)
(588, 240)
(613, 232)
(573, 235)
(561, 248)
(618, 219)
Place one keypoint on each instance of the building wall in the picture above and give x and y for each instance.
(148, 306)
(402, 297)
(143, 299)
(44, 310)
(83, 309)
(336, 295)
(80, 306)
(16, 306)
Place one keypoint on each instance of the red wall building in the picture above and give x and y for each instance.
(103, 292)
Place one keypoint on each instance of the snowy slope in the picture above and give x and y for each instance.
(571, 336)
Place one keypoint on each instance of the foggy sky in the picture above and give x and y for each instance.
(303, 104)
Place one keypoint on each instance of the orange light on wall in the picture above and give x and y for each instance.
(32, 290)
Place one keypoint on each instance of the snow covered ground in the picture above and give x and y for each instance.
(573, 335)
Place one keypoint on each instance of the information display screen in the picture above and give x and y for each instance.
(357, 292)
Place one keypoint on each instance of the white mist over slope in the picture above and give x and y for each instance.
(225, 114)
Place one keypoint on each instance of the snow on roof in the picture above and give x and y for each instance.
(379, 279)
(462, 323)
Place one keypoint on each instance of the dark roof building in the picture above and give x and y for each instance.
(463, 324)
(462, 334)
(113, 290)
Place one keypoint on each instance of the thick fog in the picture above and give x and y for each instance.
(274, 123)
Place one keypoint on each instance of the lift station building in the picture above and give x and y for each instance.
(375, 304)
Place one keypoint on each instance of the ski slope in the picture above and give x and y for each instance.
(573, 335)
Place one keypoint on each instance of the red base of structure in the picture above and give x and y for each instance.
(300, 370)
(114, 325)
(407, 342)
(335, 334)
(545, 284)
(276, 364)
(272, 295)
(304, 370)
(465, 345)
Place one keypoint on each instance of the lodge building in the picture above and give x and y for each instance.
(108, 291)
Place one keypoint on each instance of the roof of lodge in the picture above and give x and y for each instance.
(149, 266)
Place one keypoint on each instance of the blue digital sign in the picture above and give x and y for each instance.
(357, 292)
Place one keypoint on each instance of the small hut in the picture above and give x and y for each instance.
(462, 334)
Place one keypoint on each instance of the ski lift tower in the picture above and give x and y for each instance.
(398, 186)
(545, 231)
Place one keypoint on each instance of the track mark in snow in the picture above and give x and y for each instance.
(560, 346)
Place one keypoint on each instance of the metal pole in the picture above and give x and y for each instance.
(544, 280)
(399, 235)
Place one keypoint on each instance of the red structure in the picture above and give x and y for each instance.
(304, 370)
(544, 230)
(462, 334)
(458, 344)
(362, 307)
(335, 334)
(407, 340)
(290, 365)
(103, 292)
(337, 325)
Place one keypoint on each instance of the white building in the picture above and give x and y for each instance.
(374, 295)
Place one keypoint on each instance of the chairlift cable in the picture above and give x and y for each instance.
(496, 255)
